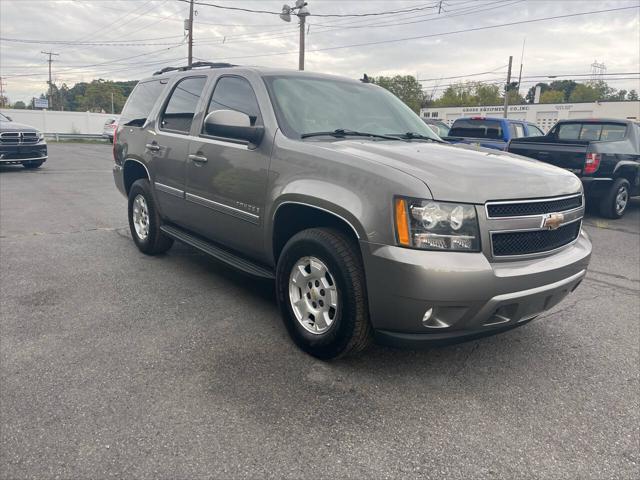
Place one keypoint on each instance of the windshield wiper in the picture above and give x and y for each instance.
(341, 133)
(418, 136)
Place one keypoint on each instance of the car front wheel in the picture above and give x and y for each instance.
(322, 293)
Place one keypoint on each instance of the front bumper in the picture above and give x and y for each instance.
(469, 296)
(23, 153)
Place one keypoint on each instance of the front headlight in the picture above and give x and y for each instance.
(432, 225)
(40, 136)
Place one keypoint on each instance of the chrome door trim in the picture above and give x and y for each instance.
(222, 208)
(176, 192)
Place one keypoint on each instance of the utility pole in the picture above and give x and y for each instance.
(50, 81)
(190, 60)
(2, 100)
(302, 14)
(521, 63)
(301, 53)
(439, 7)
(112, 110)
(506, 88)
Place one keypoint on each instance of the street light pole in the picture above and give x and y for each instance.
(301, 53)
(506, 88)
(302, 12)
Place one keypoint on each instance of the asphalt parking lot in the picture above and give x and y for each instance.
(119, 365)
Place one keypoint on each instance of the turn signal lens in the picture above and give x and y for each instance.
(402, 222)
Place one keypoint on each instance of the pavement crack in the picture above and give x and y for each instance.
(614, 275)
(615, 286)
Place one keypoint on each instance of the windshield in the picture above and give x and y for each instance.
(312, 104)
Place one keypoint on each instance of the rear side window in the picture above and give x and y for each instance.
(476, 128)
(519, 130)
(181, 107)
(140, 103)
(535, 131)
(592, 131)
(235, 93)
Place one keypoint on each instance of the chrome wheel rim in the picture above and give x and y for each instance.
(141, 217)
(622, 198)
(313, 295)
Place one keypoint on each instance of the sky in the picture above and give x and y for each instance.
(130, 39)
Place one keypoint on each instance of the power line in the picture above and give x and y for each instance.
(249, 10)
(419, 37)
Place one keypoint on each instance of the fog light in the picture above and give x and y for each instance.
(429, 320)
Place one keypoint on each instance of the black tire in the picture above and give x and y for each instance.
(32, 164)
(350, 330)
(155, 241)
(609, 203)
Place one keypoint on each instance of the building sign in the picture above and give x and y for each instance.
(40, 103)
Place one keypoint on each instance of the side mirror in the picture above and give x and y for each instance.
(232, 124)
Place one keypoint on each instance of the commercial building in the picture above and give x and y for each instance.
(545, 115)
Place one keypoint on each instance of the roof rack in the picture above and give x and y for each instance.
(194, 65)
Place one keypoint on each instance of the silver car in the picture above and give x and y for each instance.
(370, 225)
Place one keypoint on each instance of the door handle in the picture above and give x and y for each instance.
(154, 147)
(198, 159)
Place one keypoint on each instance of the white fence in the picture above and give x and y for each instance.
(60, 122)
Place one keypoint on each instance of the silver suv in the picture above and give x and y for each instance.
(371, 225)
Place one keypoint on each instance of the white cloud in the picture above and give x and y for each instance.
(562, 46)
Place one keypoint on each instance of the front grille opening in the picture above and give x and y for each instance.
(533, 208)
(522, 243)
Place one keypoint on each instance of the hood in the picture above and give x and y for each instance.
(15, 127)
(464, 173)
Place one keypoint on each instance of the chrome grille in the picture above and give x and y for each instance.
(10, 138)
(518, 209)
(537, 241)
(18, 138)
(29, 137)
(530, 227)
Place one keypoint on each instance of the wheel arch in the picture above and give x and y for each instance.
(132, 170)
(292, 216)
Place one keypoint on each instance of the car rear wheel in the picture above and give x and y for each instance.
(32, 164)
(322, 293)
(144, 220)
(614, 203)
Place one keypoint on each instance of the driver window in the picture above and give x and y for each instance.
(235, 93)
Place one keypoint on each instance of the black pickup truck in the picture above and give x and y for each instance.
(604, 153)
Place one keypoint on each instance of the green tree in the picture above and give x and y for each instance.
(632, 95)
(487, 94)
(405, 87)
(19, 105)
(98, 95)
(565, 86)
(585, 93)
(552, 96)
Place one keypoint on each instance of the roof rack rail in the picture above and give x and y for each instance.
(195, 65)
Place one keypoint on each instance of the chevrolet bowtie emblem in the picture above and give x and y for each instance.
(552, 221)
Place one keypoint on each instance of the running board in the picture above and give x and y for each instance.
(218, 253)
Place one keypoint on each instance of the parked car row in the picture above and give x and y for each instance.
(603, 153)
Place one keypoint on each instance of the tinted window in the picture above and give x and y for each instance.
(476, 128)
(179, 112)
(235, 93)
(535, 131)
(569, 131)
(592, 131)
(612, 131)
(519, 130)
(140, 103)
